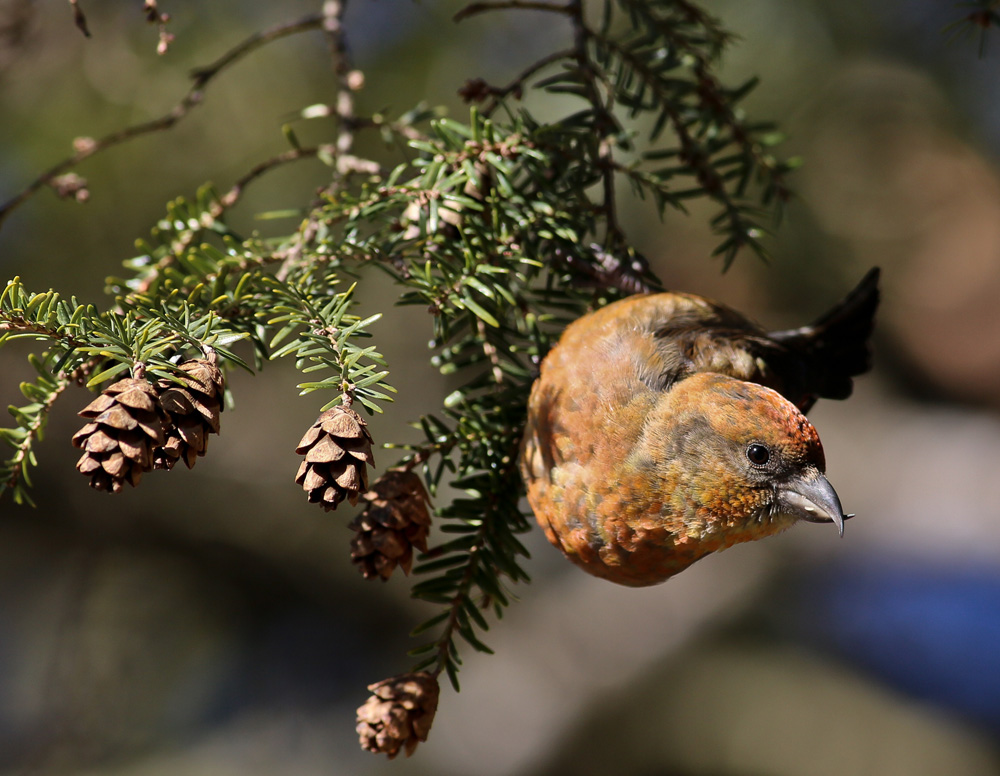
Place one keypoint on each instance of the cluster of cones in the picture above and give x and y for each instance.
(336, 450)
(136, 426)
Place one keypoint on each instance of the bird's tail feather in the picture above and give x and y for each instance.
(837, 344)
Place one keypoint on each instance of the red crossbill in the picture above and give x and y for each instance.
(665, 427)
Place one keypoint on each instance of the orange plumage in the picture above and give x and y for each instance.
(666, 427)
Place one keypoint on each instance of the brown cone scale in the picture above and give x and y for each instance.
(192, 407)
(396, 519)
(337, 450)
(399, 713)
(125, 425)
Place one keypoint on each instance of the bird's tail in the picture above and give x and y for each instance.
(836, 346)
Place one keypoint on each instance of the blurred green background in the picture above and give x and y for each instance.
(210, 622)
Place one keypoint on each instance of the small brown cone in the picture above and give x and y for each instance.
(337, 450)
(126, 424)
(192, 407)
(399, 713)
(395, 520)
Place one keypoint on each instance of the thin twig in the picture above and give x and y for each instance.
(575, 9)
(457, 604)
(333, 28)
(231, 197)
(405, 131)
(710, 91)
(87, 147)
(690, 151)
(217, 208)
(463, 590)
(497, 94)
(160, 19)
(478, 89)
(203, 75)
(629, 274)
(614, 235)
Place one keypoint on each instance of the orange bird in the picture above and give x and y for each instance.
(665, 427)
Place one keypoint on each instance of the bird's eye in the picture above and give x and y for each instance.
(758, 454)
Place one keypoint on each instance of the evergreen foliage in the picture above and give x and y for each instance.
(503, 227)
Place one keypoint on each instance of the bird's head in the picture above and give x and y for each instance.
(740, 461)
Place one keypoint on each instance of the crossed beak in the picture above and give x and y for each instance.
(811, 497)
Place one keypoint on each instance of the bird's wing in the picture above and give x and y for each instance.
(691, 334)
(835, 348)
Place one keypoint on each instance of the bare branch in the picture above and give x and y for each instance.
(203, 75)
(606, 122)
(347, 80)
(87, 147)
(231, 197)
(515, 87)
(220, 206)
(160, 19)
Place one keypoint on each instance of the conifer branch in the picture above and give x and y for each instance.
(33, 418)
(501, 226)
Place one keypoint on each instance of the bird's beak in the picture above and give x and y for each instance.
(811, 497)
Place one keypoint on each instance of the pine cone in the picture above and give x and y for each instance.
(337, 449)
(399, 713)
(126, 424)
(192, 408)
(395, 521)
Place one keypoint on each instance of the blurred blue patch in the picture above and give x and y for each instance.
(933, 633)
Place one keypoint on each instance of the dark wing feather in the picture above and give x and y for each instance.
(835, 348)
(804, 364)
